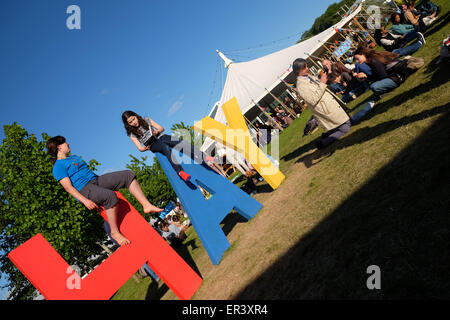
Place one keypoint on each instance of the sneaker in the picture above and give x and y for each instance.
(186, 177)
(371, 104)
(421, 38)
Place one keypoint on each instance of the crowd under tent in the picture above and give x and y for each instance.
(257, 83)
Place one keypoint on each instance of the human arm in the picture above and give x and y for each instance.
(138, 144)
(360, 75)
(412, 18)
(159, 129)
(362, 71)
(67, 185)
(311, 92)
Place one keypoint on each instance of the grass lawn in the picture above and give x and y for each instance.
(379, 196)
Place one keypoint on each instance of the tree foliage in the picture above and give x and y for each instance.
(333, 15)
(153, 182)
(326, 20)
(32, 202)
(185, 132)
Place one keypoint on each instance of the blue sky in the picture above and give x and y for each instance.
(156, 58)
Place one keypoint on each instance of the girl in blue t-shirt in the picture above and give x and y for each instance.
(91, 190)
(146, 135)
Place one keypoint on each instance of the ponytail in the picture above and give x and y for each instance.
(52, 146)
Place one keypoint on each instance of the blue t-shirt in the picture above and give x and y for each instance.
(76, 169)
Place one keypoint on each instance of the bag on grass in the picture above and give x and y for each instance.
(398, 72)
(310, 126)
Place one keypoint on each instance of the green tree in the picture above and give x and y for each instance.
(327, 19)
(334, 13)
(185, 132)
(153, 182)
(32, 201)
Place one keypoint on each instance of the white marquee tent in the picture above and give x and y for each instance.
(251, 81)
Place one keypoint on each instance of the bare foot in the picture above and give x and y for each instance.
(120, 239)
(151, 208)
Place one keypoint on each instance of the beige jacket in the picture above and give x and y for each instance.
(409, 16)
(322, 104)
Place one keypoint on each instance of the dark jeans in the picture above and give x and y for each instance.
(165, 143)
(409, 37)
(382, 86)
(421, 27)
(360, 114)
(409, 49)
(427, 8)
(357, 89)
(334, 134)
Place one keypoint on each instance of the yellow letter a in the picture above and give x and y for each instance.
(237, 137)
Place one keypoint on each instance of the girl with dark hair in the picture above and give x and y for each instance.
(91, 190)
(377, 61)
(398, 25)
(146, 135)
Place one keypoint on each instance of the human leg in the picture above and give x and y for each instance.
(360, 114)
(334, 134)
(108, 199)
(409, 49)
(136, 191)
(127, 179)
(409, 36)
(112, 215)
(186, 148)
(383, 86)
(361, 88)
(161, 147)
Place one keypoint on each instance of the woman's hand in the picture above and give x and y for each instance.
(91, 205)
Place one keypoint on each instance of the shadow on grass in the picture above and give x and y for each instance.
(368, 133)
(398, 221)
(439, 77)
(298, 152)
(154, 292)
(440, 22)
(231, 220)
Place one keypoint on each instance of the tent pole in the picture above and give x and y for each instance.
(268, 116)
(362, 28)
(349, 35)
(309, 56)
(331, 54)
(250, 123)
(282, 104)
(355, 32)
(290, 90)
